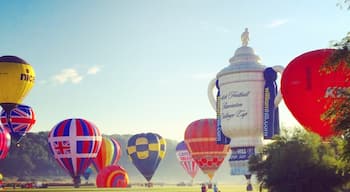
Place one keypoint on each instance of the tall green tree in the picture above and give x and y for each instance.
(301, 162)
(338, 113)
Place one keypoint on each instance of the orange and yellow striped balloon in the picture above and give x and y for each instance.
(112, 176)
(109, 154)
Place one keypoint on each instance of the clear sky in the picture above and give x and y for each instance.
(144, 65)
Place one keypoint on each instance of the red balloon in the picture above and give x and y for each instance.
(200, 138)
(308, 90)
(112, 176)
(5, 142)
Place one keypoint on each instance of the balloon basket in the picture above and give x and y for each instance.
(76, 181)
(149, 184)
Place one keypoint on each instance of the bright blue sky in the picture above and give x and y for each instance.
(137, 66)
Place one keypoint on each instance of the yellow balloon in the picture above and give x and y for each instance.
(1, 177)
(16, 79)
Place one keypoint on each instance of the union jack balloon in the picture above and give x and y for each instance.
(74, 143)
(18, 121)
(5, 142)
(186, 160)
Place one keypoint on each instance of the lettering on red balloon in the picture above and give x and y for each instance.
(337, 92)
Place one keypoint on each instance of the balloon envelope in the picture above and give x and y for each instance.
(5, 142)
(18, 121)
(112, 176)
(186, 160)
(74, 142)
(146, 150)
(200, 138)
(16, 79)
(109, 154)
(308, 91)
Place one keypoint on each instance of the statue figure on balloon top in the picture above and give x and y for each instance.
(245, 37)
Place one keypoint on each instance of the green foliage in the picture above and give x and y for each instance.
(344, 3)
(338, 112)
(341, 56)
(301, 162)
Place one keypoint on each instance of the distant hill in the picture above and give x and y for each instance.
(34, 160)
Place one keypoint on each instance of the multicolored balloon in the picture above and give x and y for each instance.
(308, 90)
(5, 142)
(74, 143)
(146, 150)
(109, 154)
(112, 176)
(186, 160)
(18, 121)
(200, 138)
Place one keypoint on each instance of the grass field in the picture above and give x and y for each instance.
(223, 188)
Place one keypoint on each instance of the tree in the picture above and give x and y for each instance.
(338, 113)
(345, 3)
(300, 162)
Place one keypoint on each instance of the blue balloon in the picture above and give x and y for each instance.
(146, 150)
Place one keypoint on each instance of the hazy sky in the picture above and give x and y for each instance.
(138, 66)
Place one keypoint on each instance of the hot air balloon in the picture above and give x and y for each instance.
(5, 142)
(146, 150)
(74, 142)
(18, 121)
(17, 79)
(309, 90)
(246, 105)
(112, 176)
(109, 154)
(186, 160)
(200, 138)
